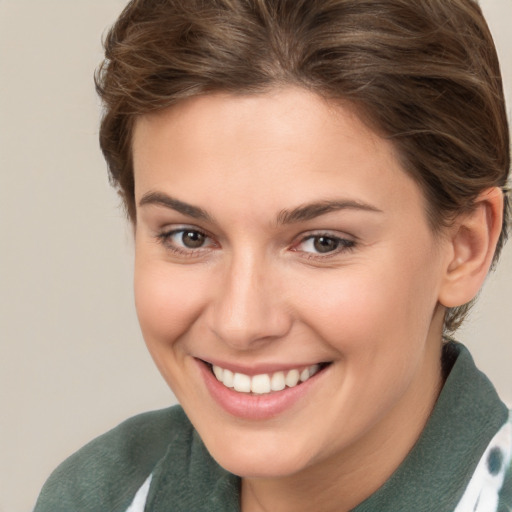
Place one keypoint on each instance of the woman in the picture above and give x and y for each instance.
(317, 190)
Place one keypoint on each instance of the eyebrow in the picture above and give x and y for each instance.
(160, 199)
(299, 214)
(312, 210)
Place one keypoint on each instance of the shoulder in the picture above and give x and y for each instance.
(106, 473)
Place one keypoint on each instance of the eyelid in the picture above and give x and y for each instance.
(346, 243)
(164, 236)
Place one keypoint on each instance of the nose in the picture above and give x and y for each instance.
(249, 308)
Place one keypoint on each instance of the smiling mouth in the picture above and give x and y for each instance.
(265, 383)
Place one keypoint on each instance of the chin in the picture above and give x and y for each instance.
(263, 467)
(258, 458)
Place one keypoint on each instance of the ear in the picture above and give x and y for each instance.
(472, 241)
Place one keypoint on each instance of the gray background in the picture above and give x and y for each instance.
(72, 361)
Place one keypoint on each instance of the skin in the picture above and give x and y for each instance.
(257, 291)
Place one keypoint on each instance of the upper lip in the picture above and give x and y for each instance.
(258, 368)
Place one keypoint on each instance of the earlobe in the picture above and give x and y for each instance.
(473, 239)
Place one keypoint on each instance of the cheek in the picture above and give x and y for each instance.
(167, 302)
(373, 306)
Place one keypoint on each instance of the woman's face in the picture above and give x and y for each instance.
(277, 236)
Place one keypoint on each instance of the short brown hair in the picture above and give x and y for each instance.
(423, 72)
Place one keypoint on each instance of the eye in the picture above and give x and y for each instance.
(191, 239)
(324, 244)
(185, 240)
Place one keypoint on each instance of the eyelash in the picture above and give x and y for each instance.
(165, 238)
(342, 244)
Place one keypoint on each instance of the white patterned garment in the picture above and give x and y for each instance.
(482, 493)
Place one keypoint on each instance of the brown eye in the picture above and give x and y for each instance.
(186, 241)
(323, 244)
(193, 239)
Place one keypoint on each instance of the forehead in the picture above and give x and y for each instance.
(286, 146)
(288, 115)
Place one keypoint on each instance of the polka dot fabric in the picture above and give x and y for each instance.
(484, 492)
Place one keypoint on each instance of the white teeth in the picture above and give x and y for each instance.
(307, 373)
(292, 378)
(227, 378)
(304, 376)
(313, 369)
(277, 383)
(219, 372)
(260, 384)
(242, 382)
(264, 383)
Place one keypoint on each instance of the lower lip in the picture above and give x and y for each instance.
(255, 407)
